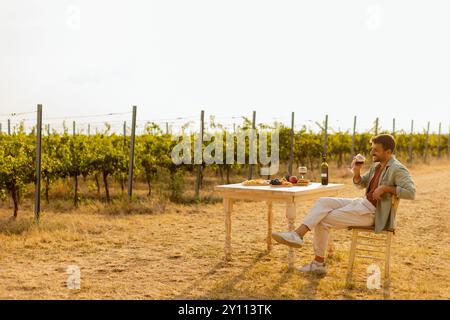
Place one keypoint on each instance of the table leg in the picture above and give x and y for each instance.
(228, 205)
(269, 225)
(290, 215)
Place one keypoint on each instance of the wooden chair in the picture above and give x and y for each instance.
(376, 245)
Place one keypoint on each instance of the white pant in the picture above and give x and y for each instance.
(337, 213)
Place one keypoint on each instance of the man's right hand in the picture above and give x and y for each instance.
(356, 168)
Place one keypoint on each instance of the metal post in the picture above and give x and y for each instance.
(250, 172)
(167, 128)
(199, 166)
(9, 127)
(131, 166)
(376, 126)
(393, 127)
(37, 193)
(291, 153)
(124, 128)
(89, 129)
(73, 128)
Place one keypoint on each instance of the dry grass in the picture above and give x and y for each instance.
(169, 251)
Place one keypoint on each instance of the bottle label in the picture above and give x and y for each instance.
(324, 175)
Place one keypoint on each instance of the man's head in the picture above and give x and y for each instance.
(383, 147)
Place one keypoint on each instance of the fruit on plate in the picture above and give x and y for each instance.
(275, 182)
(303, 182)
(256, 182)
(280, 182)
(293, 179)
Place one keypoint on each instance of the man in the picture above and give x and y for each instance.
(386, 178)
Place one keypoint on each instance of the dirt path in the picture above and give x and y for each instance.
(179, 254)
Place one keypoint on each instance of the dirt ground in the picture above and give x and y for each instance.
(177, 253)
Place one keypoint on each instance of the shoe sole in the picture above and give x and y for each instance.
(281, 240)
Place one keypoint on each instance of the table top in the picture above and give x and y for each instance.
(314, 188)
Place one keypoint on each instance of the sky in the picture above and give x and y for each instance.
(173, 58)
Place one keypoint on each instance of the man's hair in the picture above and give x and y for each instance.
(386, 140)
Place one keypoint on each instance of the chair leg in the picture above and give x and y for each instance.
(351, 259)
(387, 265)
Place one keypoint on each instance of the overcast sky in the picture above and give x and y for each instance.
(173, 58)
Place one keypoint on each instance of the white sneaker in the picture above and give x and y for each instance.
(290, 238)
(314, 267)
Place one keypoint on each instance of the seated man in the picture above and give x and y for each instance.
(386, 178)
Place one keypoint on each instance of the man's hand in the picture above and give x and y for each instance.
(378, 193)
(356, 168)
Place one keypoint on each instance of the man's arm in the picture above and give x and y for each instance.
(404, 185)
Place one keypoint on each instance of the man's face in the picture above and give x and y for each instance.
(378, 153)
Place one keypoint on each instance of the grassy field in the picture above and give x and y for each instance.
(160, 250)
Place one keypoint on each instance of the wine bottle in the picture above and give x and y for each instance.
(324, 170)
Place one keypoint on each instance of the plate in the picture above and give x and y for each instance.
(255, 185)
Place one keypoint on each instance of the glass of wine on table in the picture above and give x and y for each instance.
(302, 170)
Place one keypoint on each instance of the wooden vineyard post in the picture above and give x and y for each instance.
(353, 139)
(291, 146)
(439, 141)
(75, 198)
(448, 143)
(37, 193)
(410, 149)
(250, 170)
(425, 156)
(131, 165)
(393, 127)
(9, 127)
(376, 126)
(325, 136)
(200, 150)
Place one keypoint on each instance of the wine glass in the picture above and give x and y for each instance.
(357, 163)
(302, 170)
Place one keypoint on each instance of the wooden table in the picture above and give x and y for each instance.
(289, 195)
